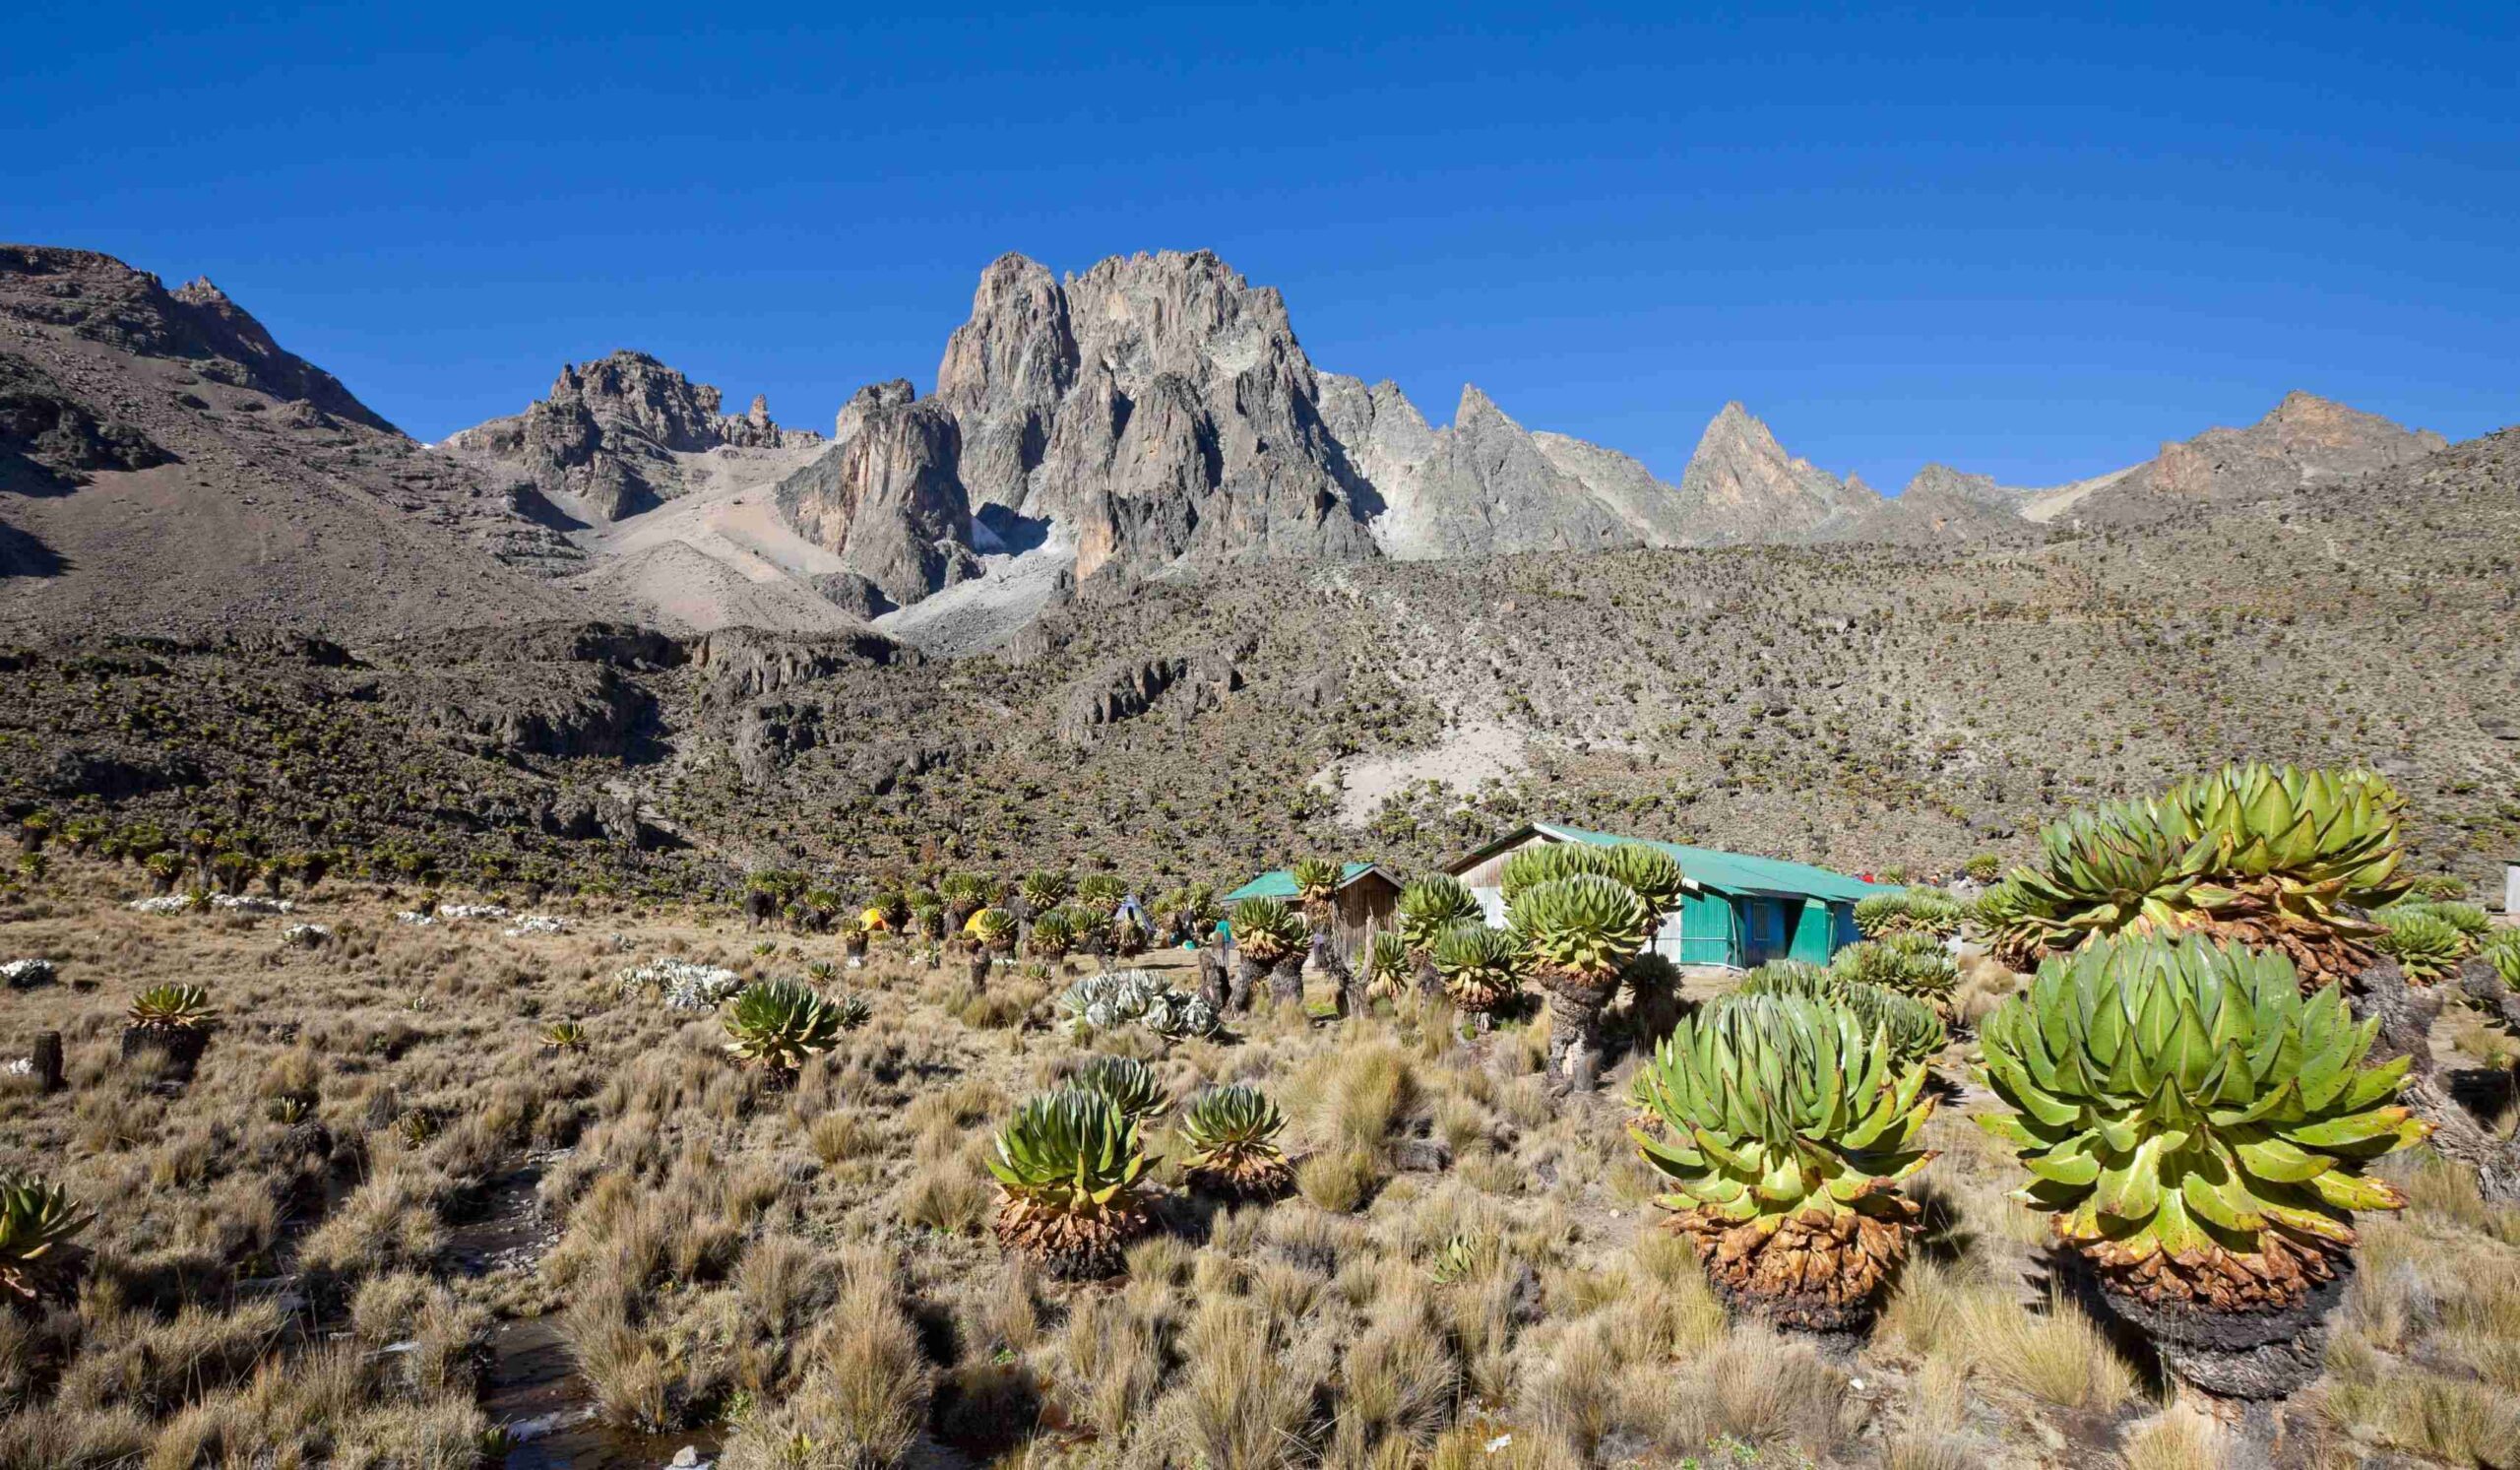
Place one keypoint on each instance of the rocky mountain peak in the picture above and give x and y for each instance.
(641, 393)
(1155, 406)
(1475, 404)
(102, 300)
(1742, 486)
(603, 443)
(2305, 440)
(885, 498)
(866, 401)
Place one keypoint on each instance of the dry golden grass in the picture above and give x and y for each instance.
(808, 1270)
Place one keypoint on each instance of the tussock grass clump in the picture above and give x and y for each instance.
(865, 1388)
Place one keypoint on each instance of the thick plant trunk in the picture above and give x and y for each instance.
(1429, 983)
(179, 1049)
(980, 970)
(2252, 1356)
(1212, 983)
(2406, 1013)
(46, 1062)
(1325, 958)
(1246, 978)
(1575, 1029)
(1285, 980)
(1574, 1040)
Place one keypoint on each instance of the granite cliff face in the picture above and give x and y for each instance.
(1154, 408)
(602, 446)
(1484, 485)
(163, 458)
(886, 498)
(1159, 410)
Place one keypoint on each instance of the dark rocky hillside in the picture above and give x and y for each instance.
(1863, 705)
(166, 467)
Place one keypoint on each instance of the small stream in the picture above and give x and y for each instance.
(534, 1388)
(531, 1385)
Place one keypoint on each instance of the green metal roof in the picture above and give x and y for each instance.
(1738, 873)
(1280, 882)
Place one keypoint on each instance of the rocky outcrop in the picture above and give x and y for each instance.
(602, 444)
(1125, 689)
(1156, 407)
(102, 300)
(2306, 441)
(1484, 485)
(551, 710)
(886, 499)
(1940, 506)
(741, 663)
(1741, 486)
(623, 645)
(1115, 693)
(47, 426)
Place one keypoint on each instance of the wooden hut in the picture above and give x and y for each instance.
(1366, 897)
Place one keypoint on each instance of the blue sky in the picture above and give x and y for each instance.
(2032, 247)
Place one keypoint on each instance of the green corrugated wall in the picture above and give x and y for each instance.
(1709, 932)
(1713, 930)
(1814, 934)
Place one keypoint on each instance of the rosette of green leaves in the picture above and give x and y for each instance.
(1315, 880)
(1921, 911)
(1043, 891)
(1433, 905)
(1232, 1132)
(1548, 862)
(2182, 1095)
(1476, 965)
(1053, 935)
(1914, 1031)
(2425, 946)
(2277, 857)
(1584, 928)
(781, 1023)
(1386, 961)
(1267, 929)
(1908, 962)
(172, 1008)
(38, 1223)
(1071, 1151)
(1652, 874)
(1131, 1084)
(1771, 1106)
(993, 929)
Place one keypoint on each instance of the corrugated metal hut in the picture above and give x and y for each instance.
(1737, 911)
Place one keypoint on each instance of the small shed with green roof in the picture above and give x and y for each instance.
(1736, 911)
(1368, 893)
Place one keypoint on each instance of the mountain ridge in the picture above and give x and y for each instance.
(1153, 413)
